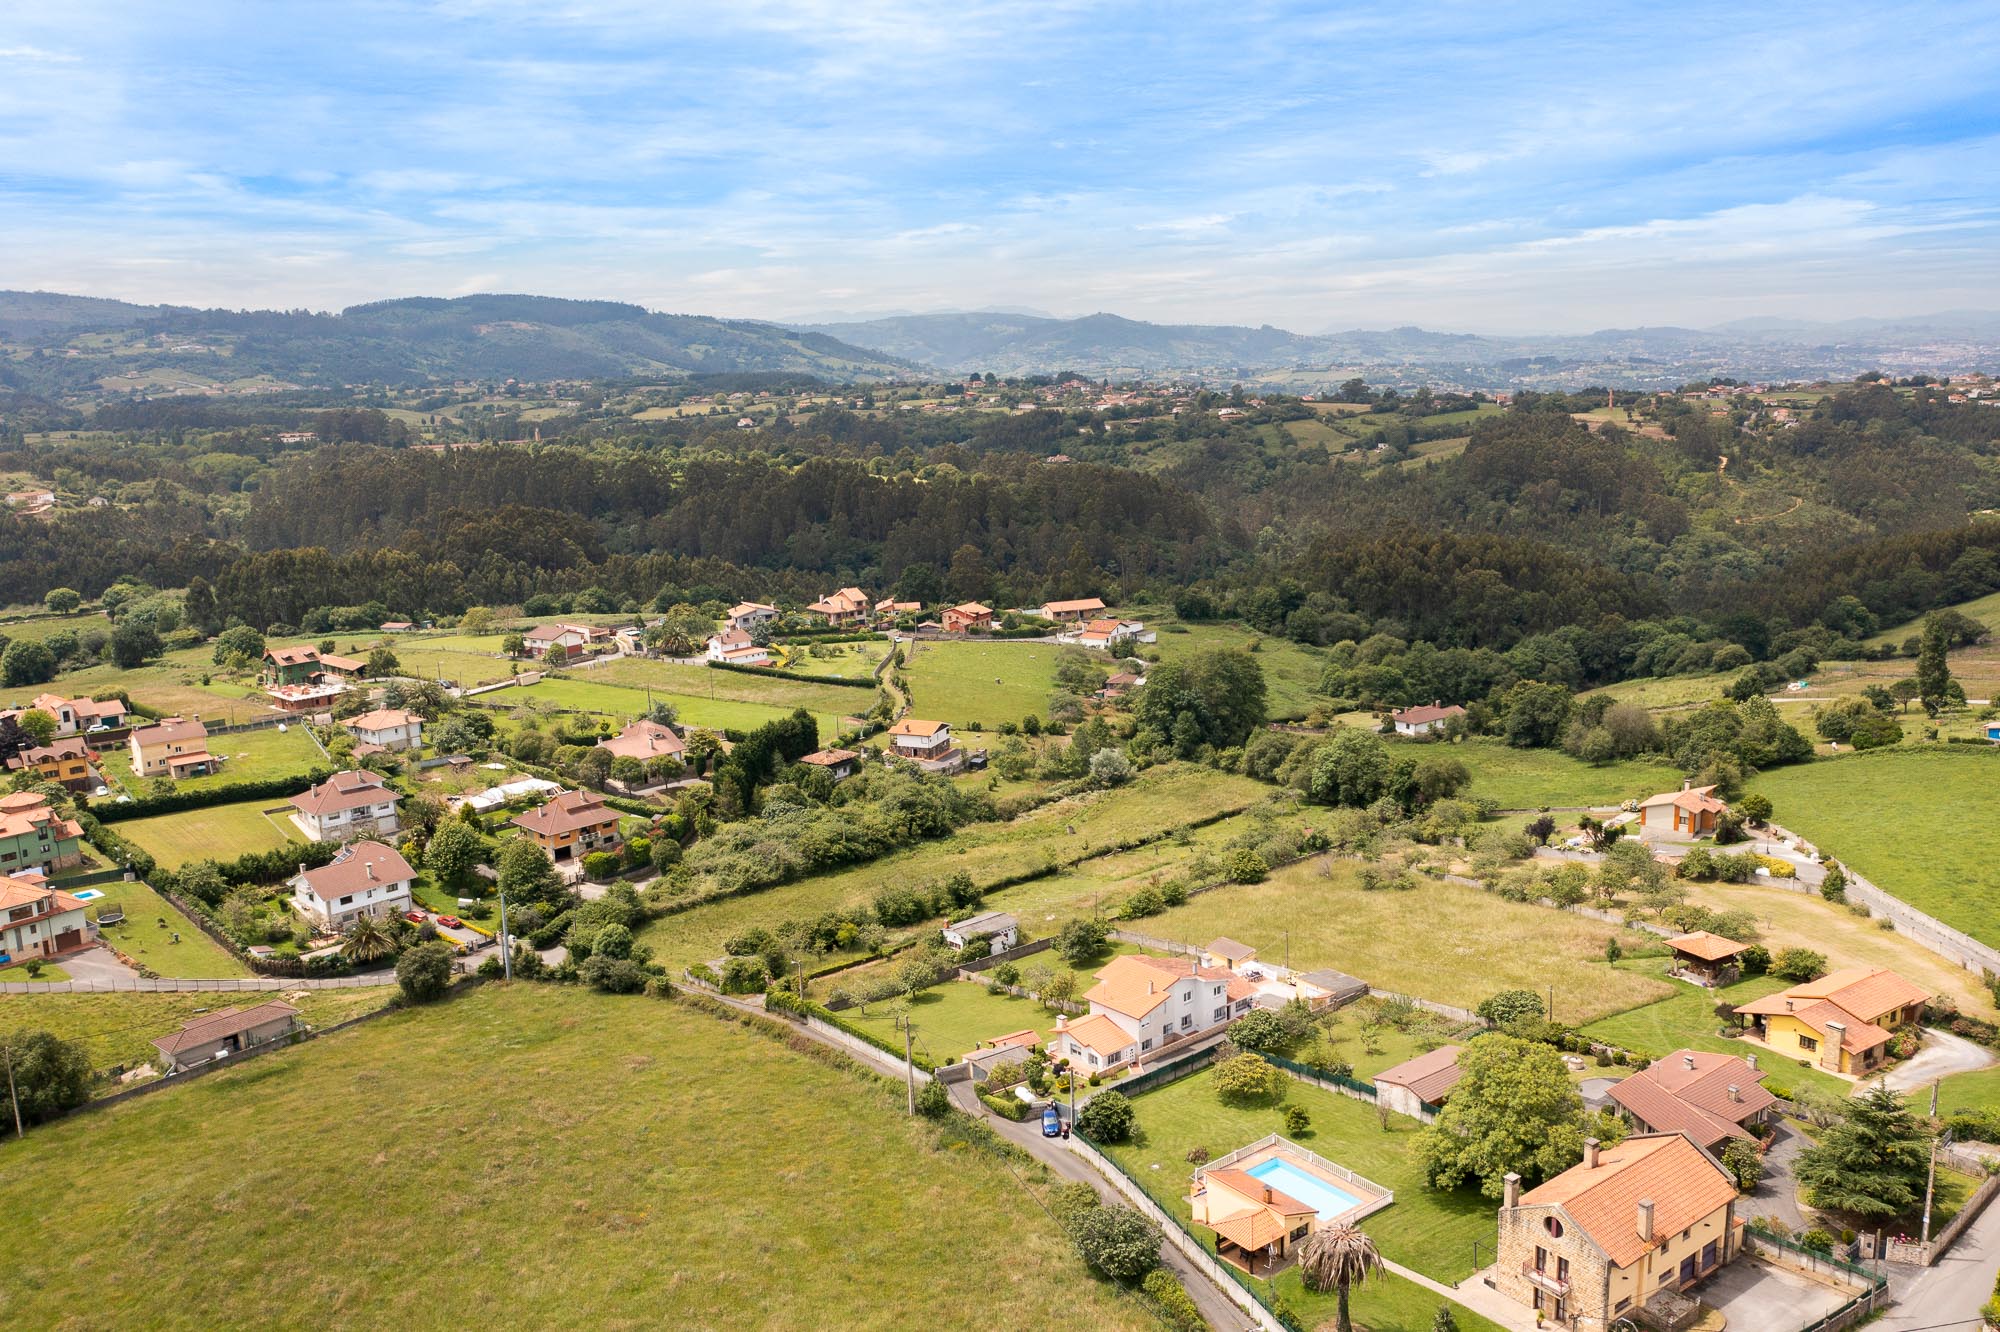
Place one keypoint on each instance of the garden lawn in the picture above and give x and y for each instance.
(247, 756)
(1423, 1229)
(1063, 833)
(1537, 778)
(1440, 940)
(1902, 817)
(1686, 1019)
(118, 1029)
(149, 943)
(19, 972)
(522, 1127)
(219, 832)
(984, 681)
(953, 1018)
(1979, 1090)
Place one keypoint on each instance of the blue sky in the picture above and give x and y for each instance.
(1481, 167)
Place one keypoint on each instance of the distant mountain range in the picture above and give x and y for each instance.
(422, 338)
(1108, 345)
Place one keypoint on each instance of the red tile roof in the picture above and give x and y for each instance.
(1682, 1182)
(1429, 1076)
(343, 791)
(566, 811)
(359, 866)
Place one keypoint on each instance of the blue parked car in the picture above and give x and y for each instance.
(1051, 1122)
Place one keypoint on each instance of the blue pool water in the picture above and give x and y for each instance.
(1327, 1199)
(91, 895)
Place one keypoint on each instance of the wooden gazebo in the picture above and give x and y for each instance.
(1707, 959)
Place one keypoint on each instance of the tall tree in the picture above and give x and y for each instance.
(1514, 1110)
(1871, 1164)
(1933, 666)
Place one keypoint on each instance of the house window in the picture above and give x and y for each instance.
(1217, 991)
(1221, 1013)
(1146, 1044)
(1808, 1043)
(1187, 1022)
(1093, 1061)
(1541, 1259)
(1622, 1305)
(1553, 1226)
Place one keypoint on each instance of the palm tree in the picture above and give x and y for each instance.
(367, 941)
(1338, 1258)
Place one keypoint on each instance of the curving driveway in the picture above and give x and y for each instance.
(1943, 1055)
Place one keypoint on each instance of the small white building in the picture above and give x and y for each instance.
(367, 878)
(1424, 720)
(1000, 930)
(747, 615)
(346, 805)
(391, 728)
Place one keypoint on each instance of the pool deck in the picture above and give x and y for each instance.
(1370, 1196)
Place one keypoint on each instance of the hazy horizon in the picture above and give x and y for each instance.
(1459, 169)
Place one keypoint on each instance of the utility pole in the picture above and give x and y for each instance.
(909, 1069)
(1288, 951)
(1930, 1181)
(1552, 1003)
(7, 1052)
(506, 940)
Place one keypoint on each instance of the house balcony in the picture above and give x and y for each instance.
(1547, 1281)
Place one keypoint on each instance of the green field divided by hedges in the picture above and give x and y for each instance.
(219, 832)
(1538, 778)
(518, 1129)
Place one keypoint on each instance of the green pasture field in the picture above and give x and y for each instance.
(1903, 817)
(532, 1124)
(1291, 670)
(247, 756)
(1534, 778)
(984, 681)
(119, 1028)
(147, 935)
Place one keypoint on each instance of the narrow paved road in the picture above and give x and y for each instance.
(1947, 1298)
(1777, 1194)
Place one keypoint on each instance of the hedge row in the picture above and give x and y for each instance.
(786, 1002)
(780, 673)
(1007, 1107)
(175, 802)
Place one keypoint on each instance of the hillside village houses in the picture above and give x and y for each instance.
(1426, 719)
(1841, 1022)
(367, 878)
(570, 825)
(347, 804)
(172, 747)
(1709, 1097)
(1102, 633)
(925, 743)
(1073, 611)
(839, 609)
(559, 642)
(734, 647)
(968, 618)
(388, 728)
(1141, 1004)
(1680, 816)
(1603, 1238)
(644, 740)
(64, 762)
(300, 679)
(888, 608)
(36, 921)
(839, 764)
(87, 715)
(747, 615)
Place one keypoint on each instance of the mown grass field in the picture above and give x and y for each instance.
(1423, 1229)
(521, 1128)
(247, 756)
(118, 1029)
(147, 935)
(1908, 819)
(987, 681)
(738, 687)
(219, 832)
(1062, 833)
(622, 703)
(1439, 941)
(1534, 778)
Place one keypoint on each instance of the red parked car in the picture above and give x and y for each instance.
(451, 922)
(414, 917)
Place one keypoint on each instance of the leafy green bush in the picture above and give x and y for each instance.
(1107, 1118)
(1173, 1301)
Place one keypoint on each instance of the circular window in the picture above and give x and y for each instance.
(1553, 1226)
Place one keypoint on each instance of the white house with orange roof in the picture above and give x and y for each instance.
(1681, 816)
(36, 921)
(391, 728)
(848, 606)
(925, 743)
(747, 615)
(1077, 610)
(1143, 1004)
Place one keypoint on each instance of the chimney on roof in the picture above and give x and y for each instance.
(1752, 1061)
(1590, 1153)
(1646, 1219)
(1062, 1022)
(1513, 1185)
(1689, 1061)
(1687, 784)
(1788, 1005)
(370, 867)
(1735, 1092)
(1267, 1193)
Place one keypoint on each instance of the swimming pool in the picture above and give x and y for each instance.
(1328, 1199)
(91, 895)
